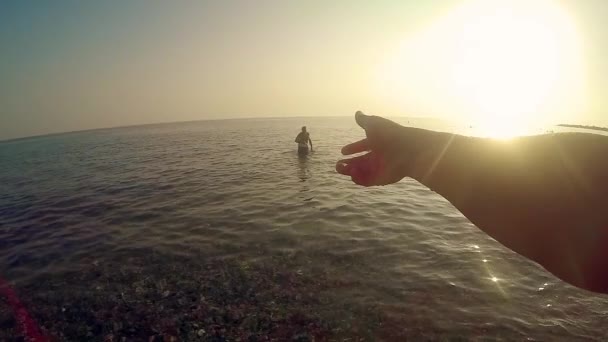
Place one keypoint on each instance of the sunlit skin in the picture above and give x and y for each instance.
(541, 196)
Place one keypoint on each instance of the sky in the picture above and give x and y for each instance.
(73, 65)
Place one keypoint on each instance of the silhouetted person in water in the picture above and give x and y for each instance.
(303, 139)
(544, 197)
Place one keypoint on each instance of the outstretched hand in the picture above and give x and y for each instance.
(546, 190)
(391, 150)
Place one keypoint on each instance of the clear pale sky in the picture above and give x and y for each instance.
(71, 65)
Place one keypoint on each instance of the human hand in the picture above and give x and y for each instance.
(392, 150)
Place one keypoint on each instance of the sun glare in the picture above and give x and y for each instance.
(498, 65)
(502, 130)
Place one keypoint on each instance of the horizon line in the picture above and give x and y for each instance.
(199, 120)
(165, 123)
(242, 118)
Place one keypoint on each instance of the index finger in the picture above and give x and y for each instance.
(356, 147)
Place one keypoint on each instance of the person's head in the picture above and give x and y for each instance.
(303, 128)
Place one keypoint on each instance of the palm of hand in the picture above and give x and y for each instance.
(372, 168)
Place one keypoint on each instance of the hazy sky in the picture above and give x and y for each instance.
(70, 65)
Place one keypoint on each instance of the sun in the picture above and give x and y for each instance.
(502, 65)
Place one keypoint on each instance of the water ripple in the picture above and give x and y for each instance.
(236, 190)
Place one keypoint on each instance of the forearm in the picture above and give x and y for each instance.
(469, 171)
(553, 183)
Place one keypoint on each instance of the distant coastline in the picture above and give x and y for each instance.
(595, 128)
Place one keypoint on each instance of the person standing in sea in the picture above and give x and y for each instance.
(303, 139)
(543, 196)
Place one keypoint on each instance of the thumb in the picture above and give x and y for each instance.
(361, 119)
(375, 124)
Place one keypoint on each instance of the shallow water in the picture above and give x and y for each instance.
(191, 229)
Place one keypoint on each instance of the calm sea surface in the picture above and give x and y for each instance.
(216, 230)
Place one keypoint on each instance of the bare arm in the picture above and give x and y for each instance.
(310, 141)
(542, 196)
